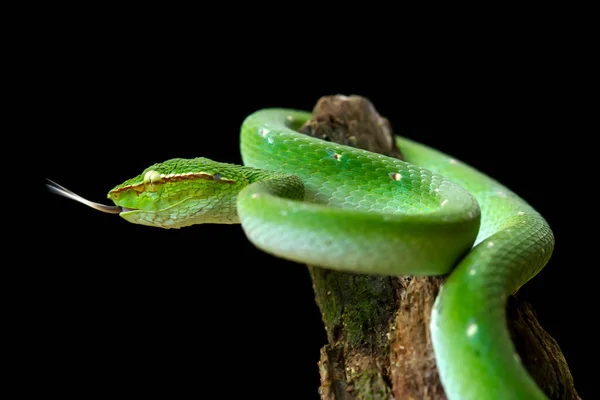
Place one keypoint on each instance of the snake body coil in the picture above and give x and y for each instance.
(339, 207)
(420, 223)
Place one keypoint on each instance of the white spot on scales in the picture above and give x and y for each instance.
(396, 176)
(472, 329)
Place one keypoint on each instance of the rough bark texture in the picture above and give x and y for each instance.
(378, 327)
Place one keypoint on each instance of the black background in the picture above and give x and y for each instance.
(120, 308)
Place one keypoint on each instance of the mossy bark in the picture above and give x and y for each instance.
(379, 345)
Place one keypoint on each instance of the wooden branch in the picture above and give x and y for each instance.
(379, 345)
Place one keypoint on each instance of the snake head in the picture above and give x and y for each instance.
(180, 192)
(175, 193)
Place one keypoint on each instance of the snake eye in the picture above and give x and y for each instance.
(152, 181)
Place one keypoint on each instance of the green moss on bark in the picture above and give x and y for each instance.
(371, 386)
(355, 308)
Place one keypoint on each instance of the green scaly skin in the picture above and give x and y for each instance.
(315, 202)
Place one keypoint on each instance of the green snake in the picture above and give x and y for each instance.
(316, 202)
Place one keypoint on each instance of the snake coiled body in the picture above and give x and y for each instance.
(313, 201)
(419, 222)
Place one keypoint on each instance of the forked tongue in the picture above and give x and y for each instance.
(57, 189)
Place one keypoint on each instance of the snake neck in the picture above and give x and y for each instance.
(222, 202)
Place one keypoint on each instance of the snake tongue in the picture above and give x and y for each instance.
(62, 191)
